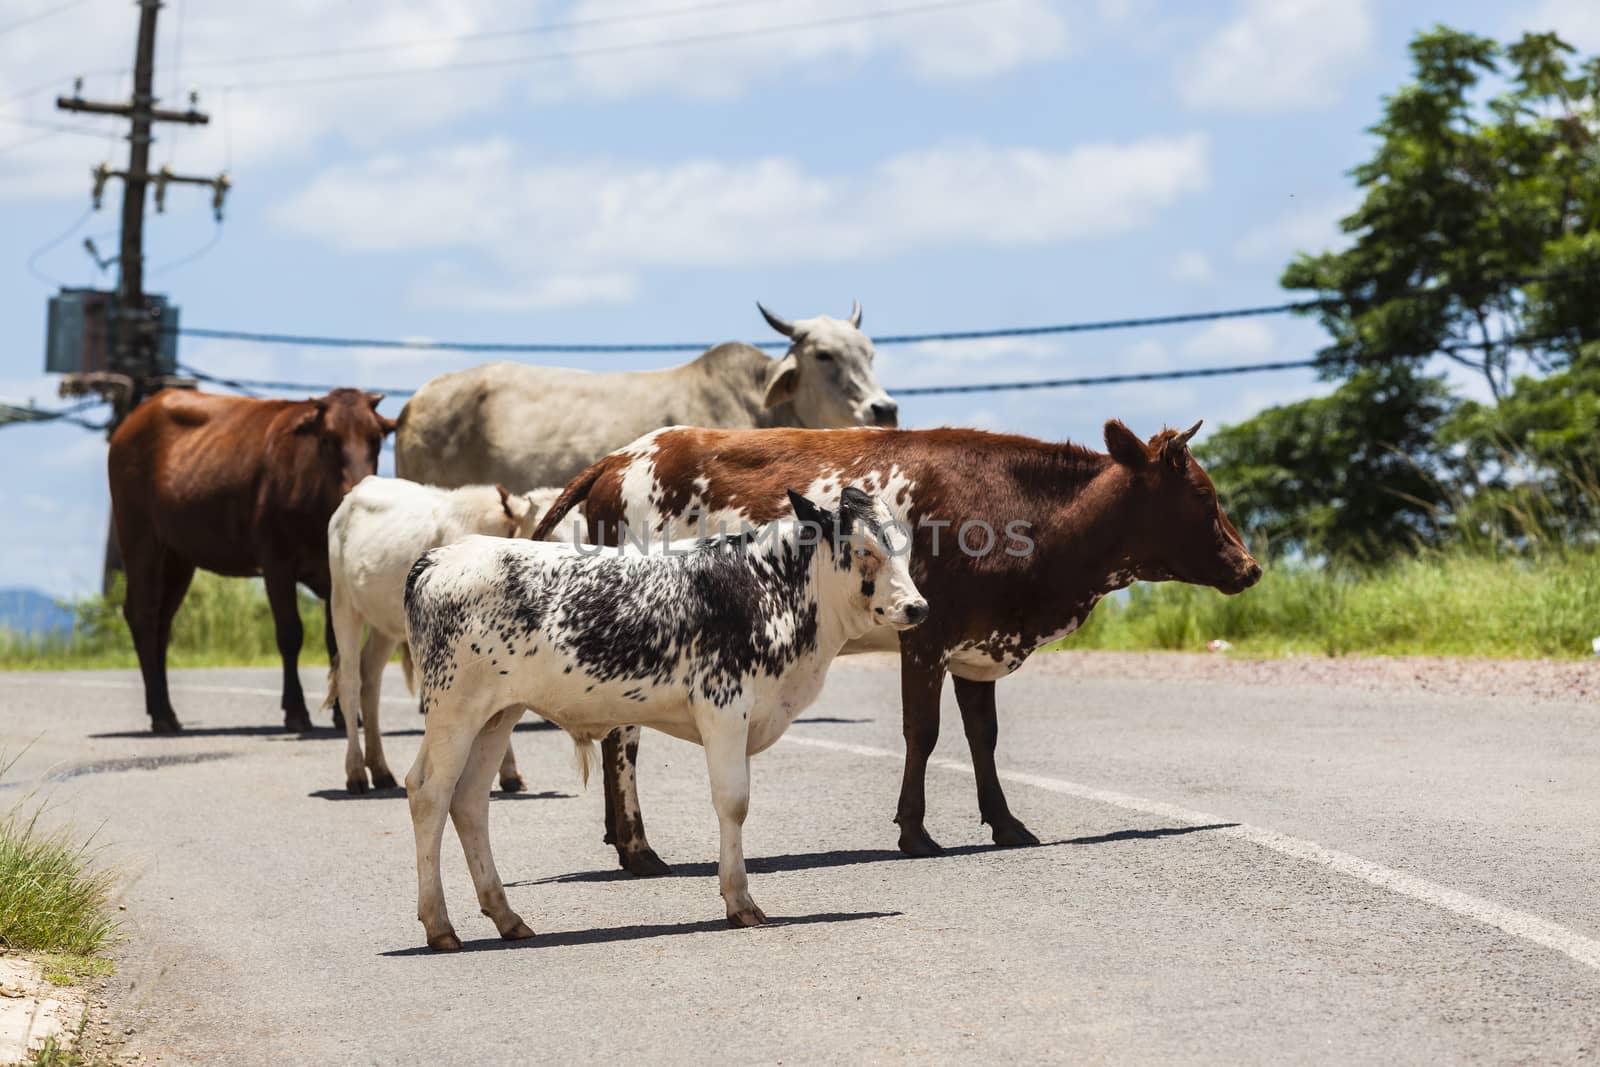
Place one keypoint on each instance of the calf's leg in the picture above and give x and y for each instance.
(144, 597)
(285, 603)
(920, 684)
(510, 777)
(374, 655)
(978, 717)
(430, 788)
(725, 734)
(619, 758)
(469, 810)
(348, 673)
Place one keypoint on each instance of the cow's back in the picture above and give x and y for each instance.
(528, 427)
(223, 482)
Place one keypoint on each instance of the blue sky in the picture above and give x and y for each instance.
(1004, 163)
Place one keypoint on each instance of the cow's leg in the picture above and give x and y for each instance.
(374, 656)
(350, 682)
(619, 758)
(920, 684)
(978, 717)
(284, 599)
(176, 574)
(510, 777)
(725, 735)
(469, 810)
(144, 595)
(333, 660)
(430, 787)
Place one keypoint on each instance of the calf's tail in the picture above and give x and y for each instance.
(408, 669)
(575, 493)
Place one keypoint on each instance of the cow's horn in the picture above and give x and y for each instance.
(855, 314)
(1183, 438)
(782, 325)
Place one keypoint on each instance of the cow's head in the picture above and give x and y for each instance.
(349, 431)
(827, 374)
(872, 573)
(1179, 531)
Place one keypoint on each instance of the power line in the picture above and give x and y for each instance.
(33, 258)
(41, 16)
(54, 127)
(481, 35)
(617, 49)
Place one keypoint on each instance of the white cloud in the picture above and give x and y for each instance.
(259, 125)
(1232, 340)
(1309, 227)
(1577, 21)
(1192, 267)
(604, 220)
(1278, 55)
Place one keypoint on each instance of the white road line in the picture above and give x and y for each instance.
(1585, 950)
(180, 688)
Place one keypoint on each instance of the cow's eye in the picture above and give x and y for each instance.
(824, 357)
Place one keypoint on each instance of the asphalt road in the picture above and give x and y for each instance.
(1232, 873)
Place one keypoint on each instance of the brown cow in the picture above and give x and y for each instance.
(1013, 541)
(239, 487)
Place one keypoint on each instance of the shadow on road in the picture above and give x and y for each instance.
(216, 731)
(606, 935)
(829, 719)
(806, 861)
(399, 793)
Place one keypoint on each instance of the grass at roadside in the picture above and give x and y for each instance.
(54, 902)
(1445, 603)
(223, 622)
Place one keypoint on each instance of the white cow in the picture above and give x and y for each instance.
(526, 426)
(722, 642)
(374, 537)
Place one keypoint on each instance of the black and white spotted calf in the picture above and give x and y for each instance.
(722, 641)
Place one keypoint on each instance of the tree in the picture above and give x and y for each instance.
(1477, 239)
(1467, 204)
(1347, 476)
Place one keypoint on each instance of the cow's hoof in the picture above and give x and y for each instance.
(356, 785)
(297, 724)
(1014, 835)
(512, 785)
(167, 724)
(643, 863)
(386, 781)
(445, 942)
(914, 841)
(751, 916)
(519, 932)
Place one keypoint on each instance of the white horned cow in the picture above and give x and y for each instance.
(374, 537)
(525, 427)
(721, 641)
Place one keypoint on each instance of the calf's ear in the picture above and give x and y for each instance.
(810, 513)
(1125, 446)
(783, 383)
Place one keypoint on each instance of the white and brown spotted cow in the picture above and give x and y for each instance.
(722, 641)
(1014, 541)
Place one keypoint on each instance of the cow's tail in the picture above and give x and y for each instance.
(575, 493)
(333, 681)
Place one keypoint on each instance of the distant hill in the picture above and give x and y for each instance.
(29, 611)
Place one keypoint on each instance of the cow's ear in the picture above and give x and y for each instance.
(505, 501)
(1125, 446)
(783, 383)
(387, 426)
(309, 419)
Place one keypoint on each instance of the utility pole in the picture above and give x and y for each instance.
(134, 332)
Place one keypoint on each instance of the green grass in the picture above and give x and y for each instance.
(52, 898)
(223, 622)
(1450, 603)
